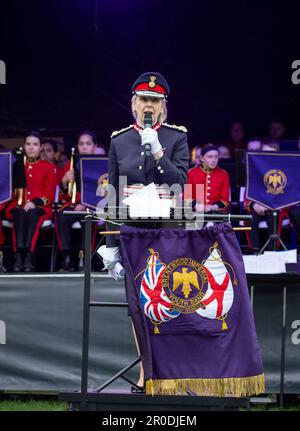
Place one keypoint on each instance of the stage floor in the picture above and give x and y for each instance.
(124, 400)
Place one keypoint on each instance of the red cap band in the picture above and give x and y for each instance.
(145, 86)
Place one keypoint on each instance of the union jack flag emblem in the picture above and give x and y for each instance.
(157, 306)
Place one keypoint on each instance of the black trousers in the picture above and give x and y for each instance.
(25, 223)
(254, 233)
(294, 217)
(64, 224)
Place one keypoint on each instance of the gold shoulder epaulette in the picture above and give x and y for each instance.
(173, 126)
(118, 132)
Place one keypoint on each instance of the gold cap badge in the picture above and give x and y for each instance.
(152, 83)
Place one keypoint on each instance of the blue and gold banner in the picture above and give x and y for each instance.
(5, 176)
(273, 178)
(188, 298)
(94, 180)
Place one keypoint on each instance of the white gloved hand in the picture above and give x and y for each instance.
(150, 136)
(110, 256)
(118, 272)
(111, 259)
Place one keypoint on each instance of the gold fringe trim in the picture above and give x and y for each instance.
(156, 330)
(224, 325)
(227, 387)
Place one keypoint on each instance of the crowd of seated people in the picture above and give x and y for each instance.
(50, 177)
(227, 149)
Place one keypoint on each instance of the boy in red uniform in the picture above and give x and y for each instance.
(33, 207)
(215, 182)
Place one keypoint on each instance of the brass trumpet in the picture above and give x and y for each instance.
(19, 190)
(72, 184)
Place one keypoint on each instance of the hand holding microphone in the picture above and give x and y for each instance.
(149, 137)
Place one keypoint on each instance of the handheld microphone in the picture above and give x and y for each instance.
(148, 125)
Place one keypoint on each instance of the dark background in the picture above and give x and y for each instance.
(71, 64)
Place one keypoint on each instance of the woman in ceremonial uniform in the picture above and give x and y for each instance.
(86, 145)
(168, 159)
(32, 206)
(155, 154)
(213, 197)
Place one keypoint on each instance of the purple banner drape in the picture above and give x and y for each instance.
(6, 158)
(273, 179)
(94, 180)
(188, 297)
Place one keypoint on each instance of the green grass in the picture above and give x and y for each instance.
(273, 408)
(47, 406)
(41, 406)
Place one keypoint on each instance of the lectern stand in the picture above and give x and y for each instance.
(105, 399)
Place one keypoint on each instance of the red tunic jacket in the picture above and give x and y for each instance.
(216, 186)
(40, 187)
(64, 197)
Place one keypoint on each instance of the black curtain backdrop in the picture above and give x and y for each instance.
(71, 64)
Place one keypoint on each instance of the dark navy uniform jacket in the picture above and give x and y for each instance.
(127, 158)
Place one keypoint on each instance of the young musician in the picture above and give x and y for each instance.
(71, 200)
(32, 206)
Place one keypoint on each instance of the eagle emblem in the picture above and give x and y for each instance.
(275, 181)
(185, 279)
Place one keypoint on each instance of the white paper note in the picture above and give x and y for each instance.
(265, 264)
(289, 256)
(147, 203)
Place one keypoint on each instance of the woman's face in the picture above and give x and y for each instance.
(211, 159)
(86, 145)
(147, 104)
(237, 132)
(49, 153)
(32, 147)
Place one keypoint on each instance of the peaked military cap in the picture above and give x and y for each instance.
(151, 84)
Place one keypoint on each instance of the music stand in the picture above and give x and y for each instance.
(274, 236)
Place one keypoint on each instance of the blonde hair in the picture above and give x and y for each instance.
(162, 117)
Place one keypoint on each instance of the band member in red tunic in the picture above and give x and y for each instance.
(49, 153)
(86, 144)
(30, 209)
(214, 195)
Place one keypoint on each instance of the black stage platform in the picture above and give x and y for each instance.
(122, 400)
(41, 334)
